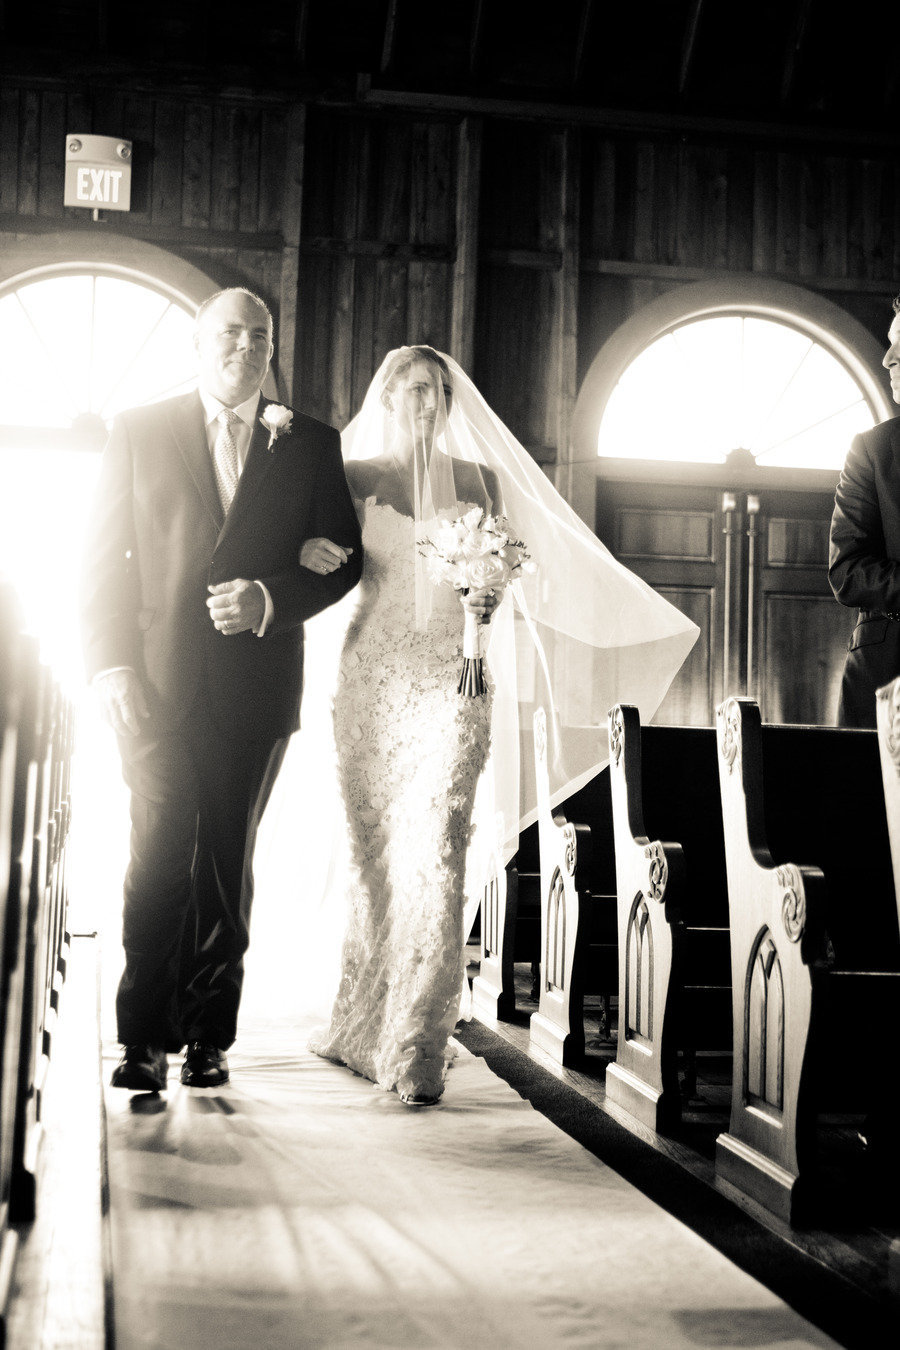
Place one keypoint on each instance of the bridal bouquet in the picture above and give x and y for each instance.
(478, 553)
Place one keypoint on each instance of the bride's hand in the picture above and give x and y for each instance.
(480, 603)
(321, 555)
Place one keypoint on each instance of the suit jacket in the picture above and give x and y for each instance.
(158, 539)
(864, 566)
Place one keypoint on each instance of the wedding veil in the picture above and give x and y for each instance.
(578, 635)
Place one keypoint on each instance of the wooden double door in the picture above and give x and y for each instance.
(744, 552)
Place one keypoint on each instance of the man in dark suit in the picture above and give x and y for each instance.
(193, 609)
(864, 559)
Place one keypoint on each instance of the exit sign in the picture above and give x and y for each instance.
(98, 172)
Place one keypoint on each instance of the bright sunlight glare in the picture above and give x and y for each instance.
(75, 344)
(735, 381)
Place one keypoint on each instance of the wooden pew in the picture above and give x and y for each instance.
(10, 991)
(511, 925)
(887, 716)
(674, 960)
(814, 944)
(510, 930)
(37, 745)
(577, 889)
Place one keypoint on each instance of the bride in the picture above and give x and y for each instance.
(435, 784)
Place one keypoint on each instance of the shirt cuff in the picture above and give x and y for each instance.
(111, 670)
(269, 613)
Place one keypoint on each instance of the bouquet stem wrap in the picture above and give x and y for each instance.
(471, 678)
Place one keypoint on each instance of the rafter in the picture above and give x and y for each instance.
(584, 29)
(475, 38)
(388, 47)
(792, 51)
(301, 30)
(689, 45)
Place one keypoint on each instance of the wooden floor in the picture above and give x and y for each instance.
(857, 1236)
(63, 1287)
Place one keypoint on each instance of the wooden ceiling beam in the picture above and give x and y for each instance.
(584, 30)
(388, 46)
(301, 30)
(792, 51)
(689, 44)
(476, 37)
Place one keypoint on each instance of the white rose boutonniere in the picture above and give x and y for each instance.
(276, 420)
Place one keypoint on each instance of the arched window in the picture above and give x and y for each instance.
(78, 346)
(735, 381)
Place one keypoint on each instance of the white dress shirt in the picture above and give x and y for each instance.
(241, 430)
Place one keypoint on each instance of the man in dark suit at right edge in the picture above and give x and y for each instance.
(864, 555)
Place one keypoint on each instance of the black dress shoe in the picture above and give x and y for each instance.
(204, 1066)
(142, 1068)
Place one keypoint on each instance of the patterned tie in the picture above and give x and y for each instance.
(225, 457)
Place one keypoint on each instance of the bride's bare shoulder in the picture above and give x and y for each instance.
(476, 483)
(365, 477)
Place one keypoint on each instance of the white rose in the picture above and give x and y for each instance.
(477, 544)
(447, 539)
(442, 571)
(487, 573)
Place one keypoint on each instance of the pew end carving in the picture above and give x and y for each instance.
(643, 1078)
(779, 958)
(887, 718)
(493, 989)
(672, 908)
(557, 1028)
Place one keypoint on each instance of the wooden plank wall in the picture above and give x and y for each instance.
(517, 244)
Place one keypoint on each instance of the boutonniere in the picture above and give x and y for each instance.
(276, 420)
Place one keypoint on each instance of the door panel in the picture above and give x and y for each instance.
(750, 568)
(804, 645)
(683, 535)
(691, 693)
(671, 536)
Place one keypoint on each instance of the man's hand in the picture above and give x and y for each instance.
(321, 555)
(122, 700)
(480, 603)
(236, 606)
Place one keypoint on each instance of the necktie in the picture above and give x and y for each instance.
(225, 457)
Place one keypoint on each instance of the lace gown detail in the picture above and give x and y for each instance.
(410, 752)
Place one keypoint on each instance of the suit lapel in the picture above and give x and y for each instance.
(189, 430)
(895, 439)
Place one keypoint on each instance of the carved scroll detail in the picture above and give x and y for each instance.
(729, 738)
(616, 733)
(893, 724)
(540, 736)
(657, 871)
(793, 901)
(571, 848)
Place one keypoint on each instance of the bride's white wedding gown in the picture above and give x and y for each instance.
(410, 751)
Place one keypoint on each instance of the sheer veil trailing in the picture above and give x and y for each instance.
(576, 636)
